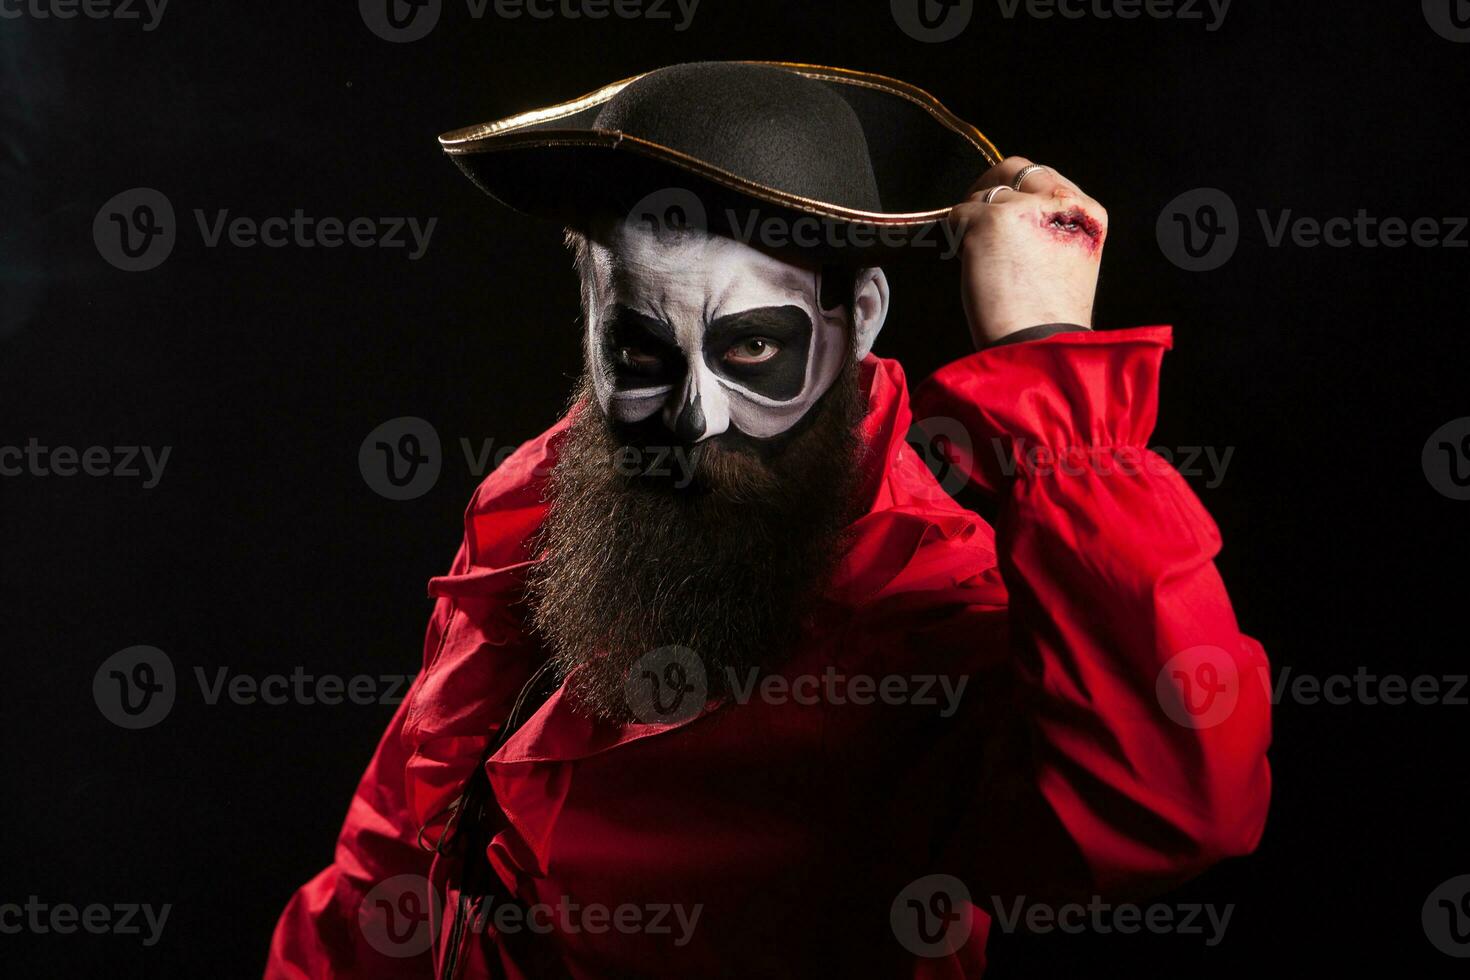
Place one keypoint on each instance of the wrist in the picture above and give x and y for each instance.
(992, 328)
(1038, 332)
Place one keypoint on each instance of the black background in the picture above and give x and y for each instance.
(262, 548)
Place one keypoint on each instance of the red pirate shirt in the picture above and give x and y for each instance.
(1058, 707)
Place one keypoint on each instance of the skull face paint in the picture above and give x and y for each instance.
(708, 332)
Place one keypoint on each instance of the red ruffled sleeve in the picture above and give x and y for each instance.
(1148, 715)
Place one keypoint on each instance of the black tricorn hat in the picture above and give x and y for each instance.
(828, 159)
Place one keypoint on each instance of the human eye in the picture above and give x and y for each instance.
(752, 350)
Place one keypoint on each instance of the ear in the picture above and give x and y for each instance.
(869, 309)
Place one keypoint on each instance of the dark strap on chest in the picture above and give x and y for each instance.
(474, 820)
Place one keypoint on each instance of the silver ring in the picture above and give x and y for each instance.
(1026, 171)
(990, 194)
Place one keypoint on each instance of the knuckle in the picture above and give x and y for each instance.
(964, 213)
(1002, 172)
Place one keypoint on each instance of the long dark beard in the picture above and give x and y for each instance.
(722, 557)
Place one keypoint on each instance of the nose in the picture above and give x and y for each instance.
(689, 424)
(684, 414)
(697, 409)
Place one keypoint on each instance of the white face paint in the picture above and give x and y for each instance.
(710, 333)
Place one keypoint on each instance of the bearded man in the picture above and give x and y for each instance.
(722, 681)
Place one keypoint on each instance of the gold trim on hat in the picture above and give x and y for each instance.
(501, 134)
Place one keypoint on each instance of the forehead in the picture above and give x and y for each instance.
(693, 273)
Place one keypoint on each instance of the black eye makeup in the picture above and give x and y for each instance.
(764, 350)
(640, 349)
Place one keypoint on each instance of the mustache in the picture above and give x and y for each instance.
(731, 465)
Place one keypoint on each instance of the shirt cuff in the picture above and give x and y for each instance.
(1087, 390)
(1035, 333)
